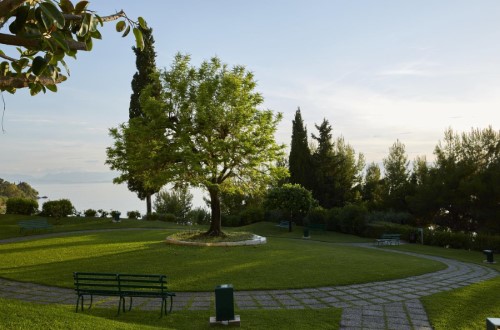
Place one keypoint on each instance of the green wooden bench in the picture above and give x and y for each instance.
(388, 239)
(284, 224)
(122, 286)
(316, 226)
(33, 224)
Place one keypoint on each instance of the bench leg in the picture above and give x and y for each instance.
(91, 300)
(121, 304)
(163, 307)
(78, 303)
(130, 306)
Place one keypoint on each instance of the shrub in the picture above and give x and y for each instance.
(102, 213)
(199, 216)
(352, 219)
(317, 215)
(229, 220)
(402, 218)
(19, 205)
(57, 209)
(152, 217)
(90, 213)
(333, 219)
(133, 214)
(251, 214)
(167, 217)
(177, 202)
(115, 214)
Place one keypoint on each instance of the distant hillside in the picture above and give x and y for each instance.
(9, 190)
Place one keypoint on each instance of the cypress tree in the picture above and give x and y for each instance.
(299, 161)
(146, 67)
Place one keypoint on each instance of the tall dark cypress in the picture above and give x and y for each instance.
(299, 161)
(324, 166)
(146, 66)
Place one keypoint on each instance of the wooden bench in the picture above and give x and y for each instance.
(34, 224)
(122, 286)
(316, 226)
(284, 224)
(388, 239)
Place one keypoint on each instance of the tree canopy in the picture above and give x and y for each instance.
(208, 131)
(42, 33)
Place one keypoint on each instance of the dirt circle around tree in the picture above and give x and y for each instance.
(256, 240)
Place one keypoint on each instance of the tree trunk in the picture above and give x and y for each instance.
(148, 204)
(215, 224)
(290, 222)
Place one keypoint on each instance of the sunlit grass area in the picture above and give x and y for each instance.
(465, 308)
(279, 264)
(21, 315)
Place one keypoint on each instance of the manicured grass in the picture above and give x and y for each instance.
(9, 227)
(465, 308)
(21, 315)
(279, 264)
(475, 257)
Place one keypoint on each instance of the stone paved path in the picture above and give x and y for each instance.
(379, 305)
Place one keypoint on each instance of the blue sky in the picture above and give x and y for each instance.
(377, 70)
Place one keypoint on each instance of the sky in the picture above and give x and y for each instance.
(378, 71)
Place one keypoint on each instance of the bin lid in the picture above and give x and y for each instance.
(224, 286)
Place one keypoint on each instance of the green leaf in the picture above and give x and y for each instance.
(18, 24)
(60, 40)
(89, 44)
(54, 14)
(127, 30)
(39, 64)
(139, 41)
(4, 68)
(96, 35)
(52, 88)
(66, 6)
(81, 6)
(142, 23)
(65, 67)
(120, 26)
(84, 28)
(16, 67)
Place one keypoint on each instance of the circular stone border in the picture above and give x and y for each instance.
(256, 240)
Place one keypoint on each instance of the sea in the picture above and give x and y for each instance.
(102, 195)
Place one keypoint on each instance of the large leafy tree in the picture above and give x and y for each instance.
(299, 160)
(146, 67)
(41, 33)
(290, 198)
(467, 180)
(208, 132)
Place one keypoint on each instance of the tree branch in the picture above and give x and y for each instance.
(22, 82)
(8, 6)
(12, 40)
(109, 18)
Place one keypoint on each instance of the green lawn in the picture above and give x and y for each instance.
(21, 315)
(279, 264)
(301, 263)
(465, 308)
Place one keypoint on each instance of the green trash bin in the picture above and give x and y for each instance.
(224, 302)
(489, 256)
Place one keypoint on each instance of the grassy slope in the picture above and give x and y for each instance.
(465, 308)
(302, 263)
(21, 315)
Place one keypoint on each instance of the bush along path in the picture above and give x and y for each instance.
(379, 305)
